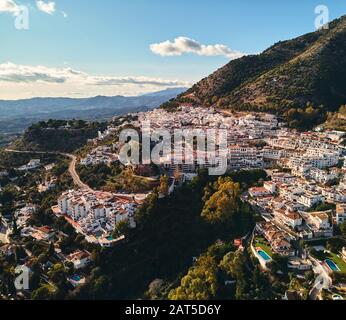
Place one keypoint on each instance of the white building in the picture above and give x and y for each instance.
(270, 186)
(310, 199)
(96, 213)
(245, 157)
(258, 192)
(291, 219)
(319, 224)
(32, 164)
(23, 215)
(79, 258)
(321, 176)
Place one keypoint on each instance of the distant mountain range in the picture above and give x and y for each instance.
(301, 79)
(17, 115)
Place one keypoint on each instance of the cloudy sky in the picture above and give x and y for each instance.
(84, 48)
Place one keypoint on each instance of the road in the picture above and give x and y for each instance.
(72, 167)
(73, 172)
(323, 280)
(33, 152)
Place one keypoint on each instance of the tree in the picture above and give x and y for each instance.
(164, 185)
(58, 273)
(309, 277)
(200, 283)
(42, 293)
(226, 263)
(279, 263)
(122, 228)
(234, 264)
(223, 203)
(343, 229)
(100, 286)
(43, 258)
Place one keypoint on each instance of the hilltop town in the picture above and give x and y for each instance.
(299, 204)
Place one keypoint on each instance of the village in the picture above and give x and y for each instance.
(302, 201)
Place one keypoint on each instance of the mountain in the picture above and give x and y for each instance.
(16, 115)
(301, 79)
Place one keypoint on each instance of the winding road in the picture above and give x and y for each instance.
(73, 172)
(323, 281)
(72, 167)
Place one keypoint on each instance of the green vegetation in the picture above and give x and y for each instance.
(302, 286)
(305, 118)
(224, 203)
(11, 160)
(24, 189)
(170, 232)
(339, 277)
(343, 229)
(223, 273)
(58, 135)
(97, 176)
(338, 261)
(322, 256)
(114, 178)
(164, 185)
(337, 120)
(200, 283)
(6, 139)
(322, 207)
(263, 244)
(122, 228)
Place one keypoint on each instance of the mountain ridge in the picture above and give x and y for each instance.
(16, 115)
(300, 79)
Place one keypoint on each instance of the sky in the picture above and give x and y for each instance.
(78, 48)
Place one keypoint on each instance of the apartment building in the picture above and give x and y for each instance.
(96, 213)
(245, 157)
(319, 224)
(291, 219)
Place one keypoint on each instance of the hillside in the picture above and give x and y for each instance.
(310, 69)
(337, 120)
(55, 135)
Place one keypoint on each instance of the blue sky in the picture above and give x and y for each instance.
(110, 40)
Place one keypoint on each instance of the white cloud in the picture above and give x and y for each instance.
(182, 45)
(64, 14)
(10, 72)
(9, 6)
(47, 7)
(19, 81)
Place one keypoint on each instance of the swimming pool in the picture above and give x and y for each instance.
(264, 255)
(332, 266)
(76, 278)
